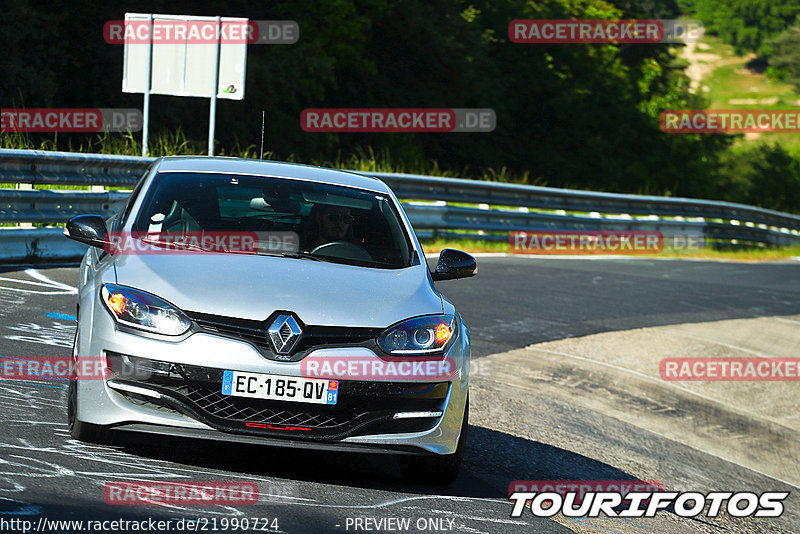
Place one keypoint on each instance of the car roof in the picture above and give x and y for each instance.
(270, 168)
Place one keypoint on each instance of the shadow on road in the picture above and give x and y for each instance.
(492, 460)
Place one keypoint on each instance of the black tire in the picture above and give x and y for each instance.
(79, 430)
(440, 470)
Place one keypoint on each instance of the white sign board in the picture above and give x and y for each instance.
(184, 56)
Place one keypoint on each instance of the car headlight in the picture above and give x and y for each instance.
(420, 335)
(142, 310)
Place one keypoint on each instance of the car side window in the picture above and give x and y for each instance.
(119, 221)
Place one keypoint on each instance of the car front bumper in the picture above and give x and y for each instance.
(186, 399)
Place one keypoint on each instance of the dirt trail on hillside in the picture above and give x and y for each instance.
(702, 64)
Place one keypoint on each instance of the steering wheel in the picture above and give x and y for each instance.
(343, 249)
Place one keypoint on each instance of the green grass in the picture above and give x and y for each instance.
(715, 46)
(744, 254)
(732, 86)
(434, 246)
(164, 144)
(731, 80)
(176, 144)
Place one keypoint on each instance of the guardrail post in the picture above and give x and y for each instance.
(26, 187)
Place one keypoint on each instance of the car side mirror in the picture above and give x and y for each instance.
(454, 264)
(88, 229)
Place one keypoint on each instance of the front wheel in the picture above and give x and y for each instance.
(79, 430)
(437, 470)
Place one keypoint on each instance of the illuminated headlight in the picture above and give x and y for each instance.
(138, 309)
(421, 335)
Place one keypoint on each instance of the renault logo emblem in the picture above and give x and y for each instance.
(284, 333)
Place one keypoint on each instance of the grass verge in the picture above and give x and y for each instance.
(731, 84)
(474, 246)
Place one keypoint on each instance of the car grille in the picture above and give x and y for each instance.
(214, 403)
(363, 407)
(255, 333)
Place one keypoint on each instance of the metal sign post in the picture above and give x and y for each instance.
(199, 63)
(212, 112)
(146, 109)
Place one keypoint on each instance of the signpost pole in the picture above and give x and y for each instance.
(212, 112)
(146, 110)
(184, 70)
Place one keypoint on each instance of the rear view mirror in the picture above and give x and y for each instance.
(454, 264)
(88, 229)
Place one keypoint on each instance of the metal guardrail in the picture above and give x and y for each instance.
(56, 205)
(34, 245)
(501, 207)
(550, 198)
(39, 167)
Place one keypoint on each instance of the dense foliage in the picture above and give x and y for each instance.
(770, 29)
(784, 58)
(579, 115)
(746, 24)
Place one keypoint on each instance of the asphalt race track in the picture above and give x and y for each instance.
(512, 303)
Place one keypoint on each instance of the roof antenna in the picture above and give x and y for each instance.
(263, 116)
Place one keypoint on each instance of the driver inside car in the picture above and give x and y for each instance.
(329, 224)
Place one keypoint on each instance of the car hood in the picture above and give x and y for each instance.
(252, 287)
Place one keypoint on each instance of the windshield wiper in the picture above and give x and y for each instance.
(303, 255)
(299, 255)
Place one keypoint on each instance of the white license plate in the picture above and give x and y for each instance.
(277, 387)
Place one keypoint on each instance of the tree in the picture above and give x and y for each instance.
(583, 115)
(784, 61)
(765, 175)
(747, 24)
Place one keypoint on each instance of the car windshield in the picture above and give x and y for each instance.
(310, 220)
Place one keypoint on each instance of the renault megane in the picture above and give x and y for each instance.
(271, 303)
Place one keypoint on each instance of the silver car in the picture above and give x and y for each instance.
(263, 302)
